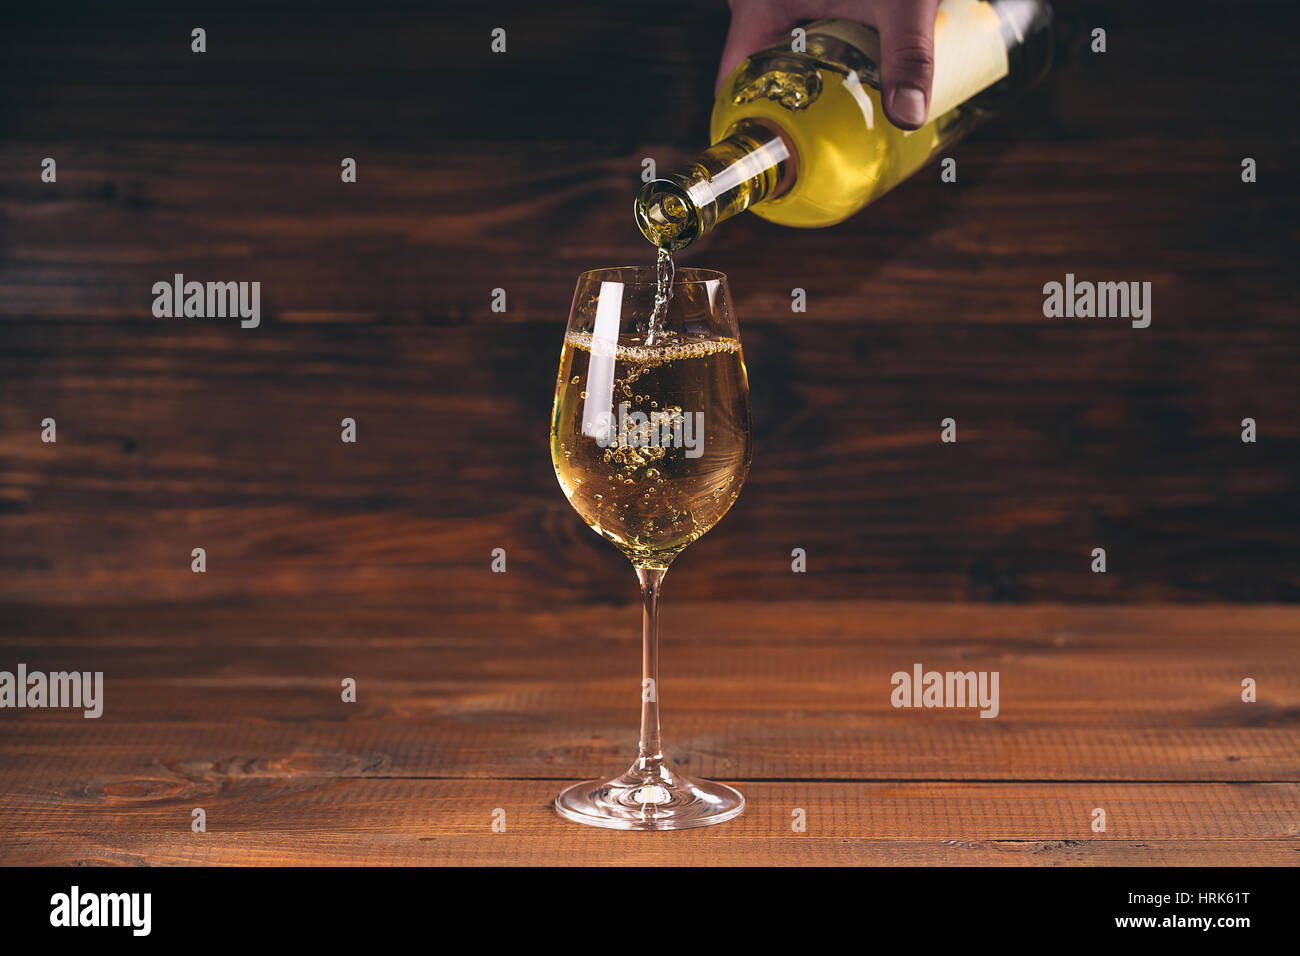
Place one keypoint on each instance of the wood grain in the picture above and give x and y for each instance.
(1134, 709)
(783, 691)
(423, 822)
(1073, 434)
(174, 438)
(482, 690)
(423, 239)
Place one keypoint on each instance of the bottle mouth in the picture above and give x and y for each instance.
(666, 214)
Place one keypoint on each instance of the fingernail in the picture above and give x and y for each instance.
(908, 105)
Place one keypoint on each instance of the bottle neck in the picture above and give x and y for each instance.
(753, 162)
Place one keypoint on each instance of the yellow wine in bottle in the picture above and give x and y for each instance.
(800, 135)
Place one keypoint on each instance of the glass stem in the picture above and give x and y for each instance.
(650, 754)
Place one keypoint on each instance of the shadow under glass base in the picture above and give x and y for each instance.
(657, 798)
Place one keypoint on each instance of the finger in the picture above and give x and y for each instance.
(907, 60)
(747, 35)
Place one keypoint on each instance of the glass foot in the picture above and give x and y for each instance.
(655, 798)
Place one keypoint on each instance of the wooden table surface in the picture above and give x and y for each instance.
(1134, 710)
(480, 691)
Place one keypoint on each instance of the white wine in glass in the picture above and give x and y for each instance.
(650, 438)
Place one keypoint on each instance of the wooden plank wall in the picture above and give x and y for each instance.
(516, 171)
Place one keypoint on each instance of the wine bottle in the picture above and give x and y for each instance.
(800, 135)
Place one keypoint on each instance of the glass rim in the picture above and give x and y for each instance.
(687, 275)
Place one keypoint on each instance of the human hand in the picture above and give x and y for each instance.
(906, 43)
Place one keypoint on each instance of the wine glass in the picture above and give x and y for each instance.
(650, 438)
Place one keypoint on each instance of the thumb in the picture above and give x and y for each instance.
(907, 60)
